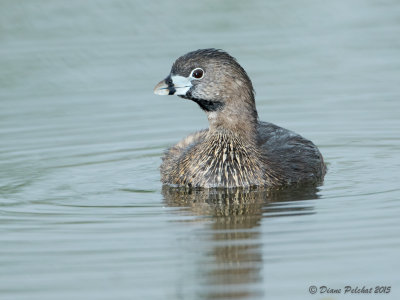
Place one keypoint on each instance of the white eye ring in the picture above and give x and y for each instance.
(197, 73)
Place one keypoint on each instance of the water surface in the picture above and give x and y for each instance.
(83, 214)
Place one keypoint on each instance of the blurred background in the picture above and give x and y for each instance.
(82, 211)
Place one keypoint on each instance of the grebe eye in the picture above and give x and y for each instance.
(197, 73)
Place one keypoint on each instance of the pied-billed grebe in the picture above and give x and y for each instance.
(237, 150)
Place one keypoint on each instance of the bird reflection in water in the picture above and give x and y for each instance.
(234, 237)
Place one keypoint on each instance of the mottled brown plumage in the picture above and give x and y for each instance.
(237, 150)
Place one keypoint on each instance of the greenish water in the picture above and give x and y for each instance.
(82, 212)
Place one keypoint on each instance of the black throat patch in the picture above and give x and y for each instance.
(205, 105)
